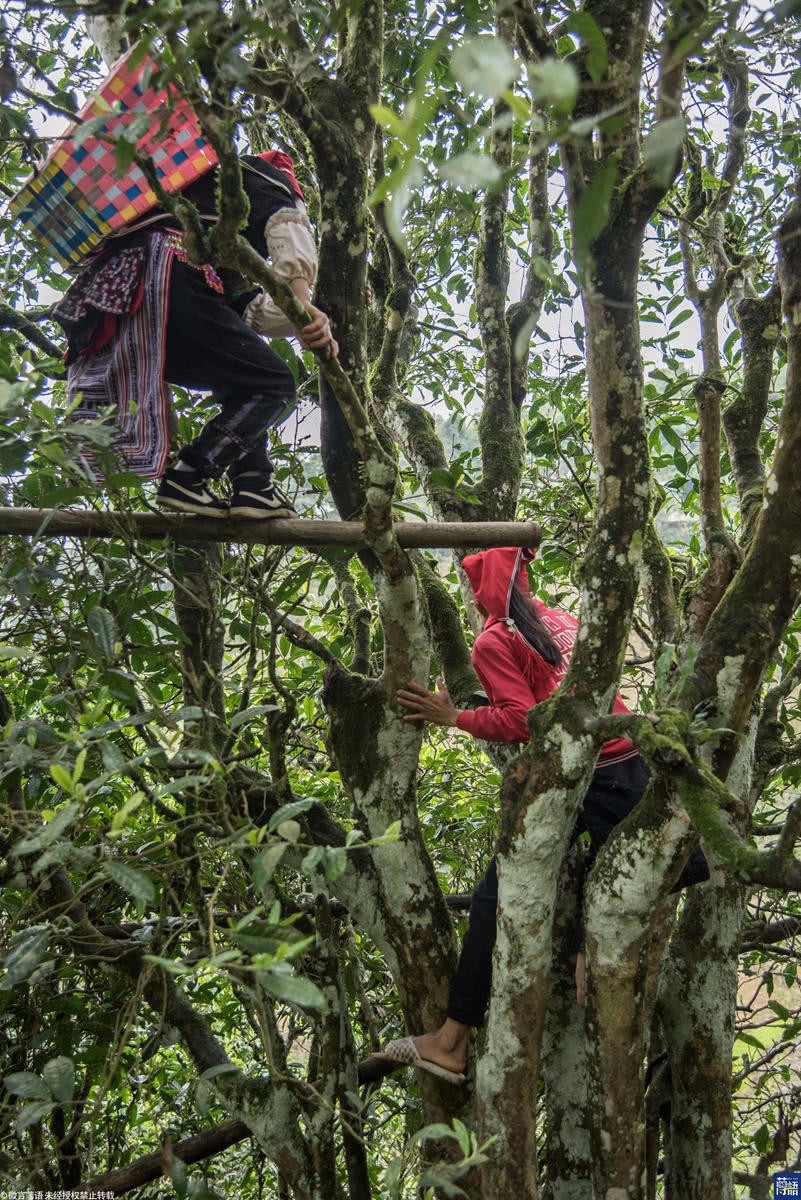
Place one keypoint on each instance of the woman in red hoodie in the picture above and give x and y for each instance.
(520, 656)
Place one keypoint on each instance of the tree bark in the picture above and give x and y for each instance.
(697, 1007)
(565, 1067)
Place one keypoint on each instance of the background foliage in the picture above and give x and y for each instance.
(166, 735)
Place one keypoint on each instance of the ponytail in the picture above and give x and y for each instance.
(532, 628)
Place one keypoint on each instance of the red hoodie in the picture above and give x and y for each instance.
(514, 675)
(284, 163)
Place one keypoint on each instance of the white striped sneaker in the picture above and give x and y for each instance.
(259, 503)
(185, 491)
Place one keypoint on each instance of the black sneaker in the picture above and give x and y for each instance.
(186, 491)
(259, 499)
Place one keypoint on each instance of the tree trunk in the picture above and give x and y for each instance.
(565, 1069)
(697, 1005)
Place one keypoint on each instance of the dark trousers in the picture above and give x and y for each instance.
(612, 794)
(209, 348)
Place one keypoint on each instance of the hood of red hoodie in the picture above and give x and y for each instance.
(492, 573)
(284, 163)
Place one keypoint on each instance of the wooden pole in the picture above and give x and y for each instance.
(83, 523)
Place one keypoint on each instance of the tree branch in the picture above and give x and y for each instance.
(663, 744)
(657, 584)
(24, 324)
(704, 213)
(302, 638)
(499, 423)
(759, 322)
(764, 933)
(761, 599)
(522, 317)
(269, 1109)
(153, 1166)
(48, 522)
(450, 645)
(359, 617)
(362, 60)
(533, 28)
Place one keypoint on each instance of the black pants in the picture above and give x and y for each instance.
(612, 794)
(209, 347)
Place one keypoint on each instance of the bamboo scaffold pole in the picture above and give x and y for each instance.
(86, 523)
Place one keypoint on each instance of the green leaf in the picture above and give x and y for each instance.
(53, 830)
(256, 943)
(104, 630)
(556, 83)
(288, 811)
(292, 988)
(168, 964)
(113, 758)
(26, 1085)
(661, 150)
(592, 214)
(312, 859)
(27, 951)
(61, 776)
(93, 125)
(124, 152)
(290, 830)
(585, 125)
(520, 107)
(9, 652)
(749, 1040)
(336, 862)
(120, 818)
(264, 865)
(387, 119)
(390, 834)
(122, 685)
(587, 28)
(133, 881)
(484, 65)
(663, 664)
(32, 1114)
(255, 710)
(180, 785)
(469, 170)
(190, 712)
(80, 763)
(178, 1175)
(59, 1075)
(432, 1133)
(403, 184)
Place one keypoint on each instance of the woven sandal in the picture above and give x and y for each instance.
(404, 1053)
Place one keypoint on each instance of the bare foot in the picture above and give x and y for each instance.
(447, 1047)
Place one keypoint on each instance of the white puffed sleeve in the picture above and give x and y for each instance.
(293, 255)
(264, 315)
(290, 241)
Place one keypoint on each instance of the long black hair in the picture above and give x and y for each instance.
(532, 628)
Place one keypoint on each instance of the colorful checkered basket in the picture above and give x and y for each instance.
(77, 197)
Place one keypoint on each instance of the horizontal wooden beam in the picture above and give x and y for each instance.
(82, 523)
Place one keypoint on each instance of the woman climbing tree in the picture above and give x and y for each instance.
(142, 314)
(521, 657)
